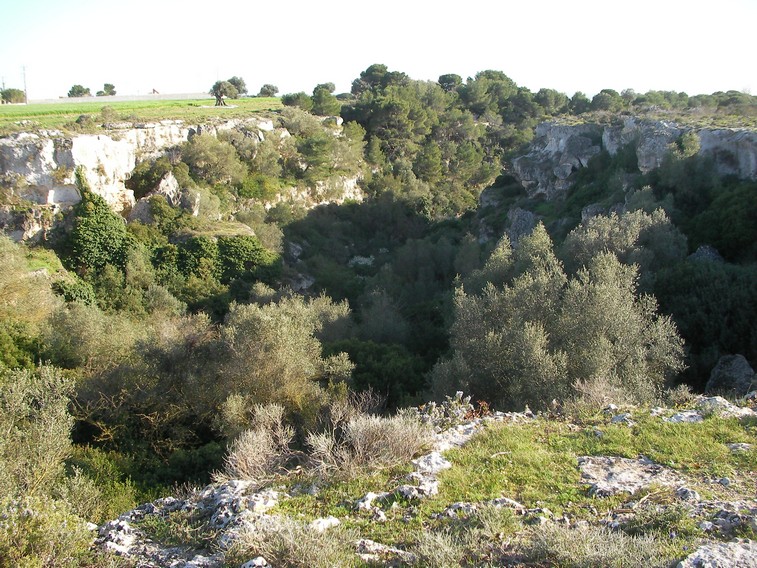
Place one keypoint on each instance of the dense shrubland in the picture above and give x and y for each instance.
(148, 348)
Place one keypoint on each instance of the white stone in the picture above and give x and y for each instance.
(612, 475)
(431, 463)
(722, 554)
(685, 416)
(323, 524)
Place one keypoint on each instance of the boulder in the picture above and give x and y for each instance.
(522, 223)
(732, 375)
(556, 152)
(611, 475)
(714, 554)
(706, 253)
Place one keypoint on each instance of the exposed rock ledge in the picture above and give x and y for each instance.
(559, 150)
(41, 165)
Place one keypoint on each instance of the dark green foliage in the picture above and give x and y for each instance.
(268, 90)
(607, 99)
(324, 102)
(301, 100)
(199, 255)
(19, 349)
(75, 290)
(729, 223)
(147, 175)
(579, 103)
(389, 370)
(317, 152)
(109, 90)
(79, 91)
(552, 102)
(450, 82)
(715, 306)
(13, 96)
(98, 237)
(241, 256)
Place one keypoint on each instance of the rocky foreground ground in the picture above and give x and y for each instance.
(227, 511)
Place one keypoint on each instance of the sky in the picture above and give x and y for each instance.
(184, 46)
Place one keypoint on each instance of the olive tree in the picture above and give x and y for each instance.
(541, 336)
(223, 89)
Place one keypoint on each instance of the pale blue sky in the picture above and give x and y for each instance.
(179, 46)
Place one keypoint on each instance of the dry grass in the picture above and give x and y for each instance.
(286, 543)
(262, 451)
(368, 442)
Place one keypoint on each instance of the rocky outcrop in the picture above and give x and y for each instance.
(734, 152)
(715, 554)
(40, 166)
(521, 223)
(559, 150)
(611, 475)
(732, 375)
(556, 152)
(168, 187)
(27, 224)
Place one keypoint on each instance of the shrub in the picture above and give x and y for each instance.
(587, 547)
(96, 486)
(37, 532)
(287, 543)
(243, 255)
(301, 100)
(147, 175)
(259, 186)
(262, 450)
(213, 161)
(35, 424)
(98, 236)
(536, 337)
(368, 442)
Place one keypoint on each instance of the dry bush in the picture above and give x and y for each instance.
(368, 442)
(439, 549)
(593, 395)
(680, 396)
(263, 450)
(587, 547)
(289, 544)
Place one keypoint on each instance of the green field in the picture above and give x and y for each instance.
(63, 115)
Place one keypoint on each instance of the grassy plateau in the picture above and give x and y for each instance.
(63, 115)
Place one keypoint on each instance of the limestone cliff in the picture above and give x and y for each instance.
(40, 168)
(559, 150)
(41, 165)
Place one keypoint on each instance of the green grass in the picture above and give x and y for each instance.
(61, 115)
(536, 464)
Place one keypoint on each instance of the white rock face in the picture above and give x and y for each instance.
(559, 150)
(611, 475)
(717, 554)
(734, 151)
(45, 162)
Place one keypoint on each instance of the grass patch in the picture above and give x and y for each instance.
(691, 448)
(180, 528)
(58, 115)
(535, 463)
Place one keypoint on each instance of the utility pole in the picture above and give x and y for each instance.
(26, 96)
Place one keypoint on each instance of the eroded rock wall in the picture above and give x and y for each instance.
(40, 166)
(560, 150)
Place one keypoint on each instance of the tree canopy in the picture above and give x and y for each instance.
(79, 91)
